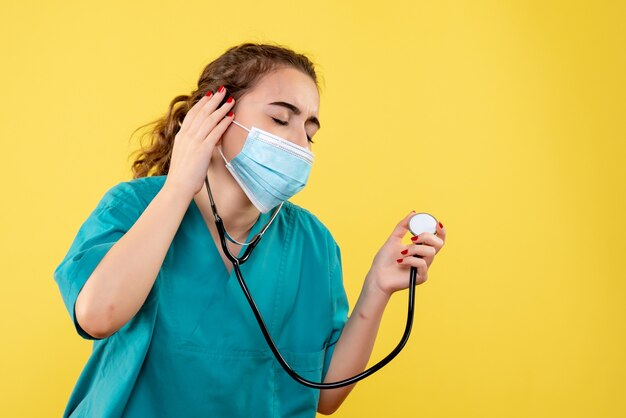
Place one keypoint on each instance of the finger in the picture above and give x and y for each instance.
(419, 250)
(403, 226)
(207, 109)
(193, 111)
(419, 263)
(428, 239)
(441, 232)
(217, 132)
(215, 118)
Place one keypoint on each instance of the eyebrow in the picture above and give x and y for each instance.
(297, 111)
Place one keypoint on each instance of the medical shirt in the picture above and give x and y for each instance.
(194, 349)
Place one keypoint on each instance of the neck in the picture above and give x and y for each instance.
(233, 205)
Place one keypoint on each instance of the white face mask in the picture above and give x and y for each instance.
(269, 169)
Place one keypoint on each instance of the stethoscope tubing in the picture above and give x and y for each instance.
(270, 342)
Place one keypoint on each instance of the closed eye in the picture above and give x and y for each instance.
(284, 123)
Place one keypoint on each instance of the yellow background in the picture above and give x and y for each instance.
(503, 119)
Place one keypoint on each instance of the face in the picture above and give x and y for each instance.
(295, 117)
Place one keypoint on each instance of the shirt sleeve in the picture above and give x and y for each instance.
(106, 224)
(339, 305)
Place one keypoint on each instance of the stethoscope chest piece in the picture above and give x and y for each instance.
(422, 222)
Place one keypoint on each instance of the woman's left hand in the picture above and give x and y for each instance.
(388, 274)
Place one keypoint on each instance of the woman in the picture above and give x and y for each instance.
(147, 280)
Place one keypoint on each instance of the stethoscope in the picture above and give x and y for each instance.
(420, 222)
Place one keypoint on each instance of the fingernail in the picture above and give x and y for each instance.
(209, 93)
(221, 89)
(399, 260)
(440, 225)
(403, 252)
(230, 113)
(230, 99)
(415, 238)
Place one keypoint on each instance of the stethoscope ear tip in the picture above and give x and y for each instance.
(422, 222)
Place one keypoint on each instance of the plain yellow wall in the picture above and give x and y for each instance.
(503, 119)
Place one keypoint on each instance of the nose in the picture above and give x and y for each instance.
(303, 141)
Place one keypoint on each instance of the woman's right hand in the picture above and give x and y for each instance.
(201, 129)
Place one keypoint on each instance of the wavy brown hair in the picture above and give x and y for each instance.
(238, 69)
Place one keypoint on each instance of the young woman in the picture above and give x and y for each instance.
(146, 277)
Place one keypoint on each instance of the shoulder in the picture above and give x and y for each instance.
(136, 192)
(129, 198)
(305, 221)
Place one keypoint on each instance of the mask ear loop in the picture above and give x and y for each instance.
(220, 147)
(240, 125)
